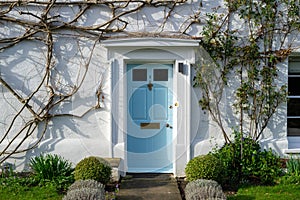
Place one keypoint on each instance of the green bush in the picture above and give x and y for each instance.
(93, 168)
(244, 161)
(204, 189)
(268, 167)
(235, 162)
(53, 169)
(204, 167)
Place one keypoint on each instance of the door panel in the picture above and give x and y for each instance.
(160, 103)
(149, 139)
(139, 103)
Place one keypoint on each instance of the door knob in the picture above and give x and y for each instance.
(169, 126)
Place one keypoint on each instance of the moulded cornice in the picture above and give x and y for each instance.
(150, 42)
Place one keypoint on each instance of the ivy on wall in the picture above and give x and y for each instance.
(247, 44)
(34, 105)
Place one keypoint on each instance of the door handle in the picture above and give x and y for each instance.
(169, 126)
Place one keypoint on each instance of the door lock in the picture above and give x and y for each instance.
(169, 126)
(171, 107)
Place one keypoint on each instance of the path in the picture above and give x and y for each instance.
(148, 187)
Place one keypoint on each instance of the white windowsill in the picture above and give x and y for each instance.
(292, 151)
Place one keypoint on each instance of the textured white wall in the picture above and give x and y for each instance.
(72, 137)
(75, 138)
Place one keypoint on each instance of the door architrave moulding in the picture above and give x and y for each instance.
(121, 52)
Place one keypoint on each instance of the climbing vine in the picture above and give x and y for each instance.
(250, 53)
(247, 42)
(41, 25)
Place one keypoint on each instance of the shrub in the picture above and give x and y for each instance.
(204, 167)
(86, 184)
(54, 169)
(93, 168)
(204, 189)
(267, 167)
(234, 161)
(244, 161)
(85, 193)
(50, 167)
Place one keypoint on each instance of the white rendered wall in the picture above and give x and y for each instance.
(71, 137)
(102, 132)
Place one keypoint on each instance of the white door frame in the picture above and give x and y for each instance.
(155, 50)
(160, 158)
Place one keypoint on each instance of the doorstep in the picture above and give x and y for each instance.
(115, 165)
(148, 186)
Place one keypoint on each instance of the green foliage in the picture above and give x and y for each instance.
(204, 167)
(267, 167)
(202, 189)
(289, 179)
(235, 160)
(278, 192)
(293, 172)
(93, 168)
(251, 57)
(17, 186)
(47, 192)
(244, 161)
(52, 169)
(293, 166)
(49, 167)
(14, 180)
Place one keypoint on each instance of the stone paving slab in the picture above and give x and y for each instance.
(149, 187)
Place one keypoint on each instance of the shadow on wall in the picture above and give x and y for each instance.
(72, 137)
(208, 133)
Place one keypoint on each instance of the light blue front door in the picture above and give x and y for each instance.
(149, 119)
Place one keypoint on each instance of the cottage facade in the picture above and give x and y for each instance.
(117, 81)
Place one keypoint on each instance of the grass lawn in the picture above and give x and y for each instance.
(278, 192)
(29, 193)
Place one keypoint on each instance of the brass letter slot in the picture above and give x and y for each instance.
(150, 125)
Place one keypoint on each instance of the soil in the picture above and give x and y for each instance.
(181, 182)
